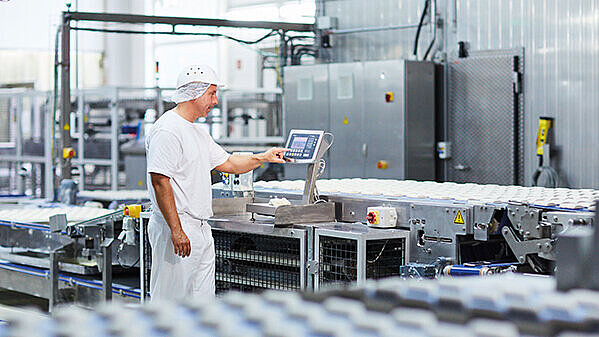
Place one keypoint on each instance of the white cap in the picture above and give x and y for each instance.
(198, 73)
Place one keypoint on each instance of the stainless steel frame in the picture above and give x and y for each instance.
(361, 234)
(240, 224)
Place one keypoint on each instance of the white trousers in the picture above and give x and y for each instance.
(174, 277)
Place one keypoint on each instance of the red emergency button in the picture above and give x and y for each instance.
(126, 211)
(389, 97)
(382, 164)
(371, 217)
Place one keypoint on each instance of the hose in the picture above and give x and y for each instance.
(420, 24)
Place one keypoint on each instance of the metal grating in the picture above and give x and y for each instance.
(255, 262)
(338, 260)
(384, 257)
(483, 106)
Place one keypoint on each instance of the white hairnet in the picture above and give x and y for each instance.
(190, 91)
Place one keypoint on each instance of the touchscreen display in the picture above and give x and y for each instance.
(302, 146)
(299, 143)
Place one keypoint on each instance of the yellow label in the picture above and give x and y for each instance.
(376, 219)
(139, 183)
(459, 220)
(67, 127)
(345, 121)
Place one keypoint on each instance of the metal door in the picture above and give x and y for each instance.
(384, 132)
(306, 104)
(346, 118)
(485, 118)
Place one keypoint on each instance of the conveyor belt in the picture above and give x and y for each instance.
(550, 198)
(93, 284)
(74, 214)
(24, 225)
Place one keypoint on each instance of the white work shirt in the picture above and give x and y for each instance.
(184, 152)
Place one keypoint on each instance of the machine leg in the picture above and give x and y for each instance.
(107, 268)
(53, 299)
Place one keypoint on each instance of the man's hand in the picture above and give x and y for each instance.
(181, 243)
(274, 155)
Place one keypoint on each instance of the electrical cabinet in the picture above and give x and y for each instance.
(382, 114)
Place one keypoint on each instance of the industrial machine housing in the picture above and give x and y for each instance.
(383, 112)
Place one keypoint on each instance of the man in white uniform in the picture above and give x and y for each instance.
(180, 156)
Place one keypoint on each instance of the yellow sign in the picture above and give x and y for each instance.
(345, 121)
(459, 220)
(67, 127)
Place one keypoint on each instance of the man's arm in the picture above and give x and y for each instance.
(166, 202)
(238, 164)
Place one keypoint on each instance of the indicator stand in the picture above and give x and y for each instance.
(312, 174)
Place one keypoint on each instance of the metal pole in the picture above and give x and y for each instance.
(48, 174)
(224, 115)
(54, 274)
(361, 271)
(20, 180)
(142, 260)
(65, 103)
(106, 247)
(114, 142)
(80, 139)
(107, 268)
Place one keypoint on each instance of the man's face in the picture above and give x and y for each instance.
(206, 102)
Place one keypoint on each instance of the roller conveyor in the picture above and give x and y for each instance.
(486, 306)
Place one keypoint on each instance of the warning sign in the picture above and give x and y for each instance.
(459, 220)
(345, 121)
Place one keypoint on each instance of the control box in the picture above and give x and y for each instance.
(239, 182)
(303, 146)
(444, 150)
(383, 217)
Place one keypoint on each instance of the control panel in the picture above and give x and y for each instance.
(384, 217)
(303, 145)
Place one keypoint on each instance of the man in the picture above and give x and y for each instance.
(180, 156)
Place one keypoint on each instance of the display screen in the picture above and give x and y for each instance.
(299, 143)
(302, 146)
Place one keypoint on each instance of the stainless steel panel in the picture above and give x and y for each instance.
(384, 127)
(380, 45)
(419, 100)
(401, 132)
(347, 120)
(561, 73)
(311, 114)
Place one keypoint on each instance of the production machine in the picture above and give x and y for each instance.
(67, 253)
(451, 229)
(307, 234)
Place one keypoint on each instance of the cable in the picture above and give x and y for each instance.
(420, 24)
(104, 30)
(380, 253)
(545, 176)
(434, 39)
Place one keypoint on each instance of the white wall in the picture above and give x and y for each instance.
(27, 50)
(27, 42)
